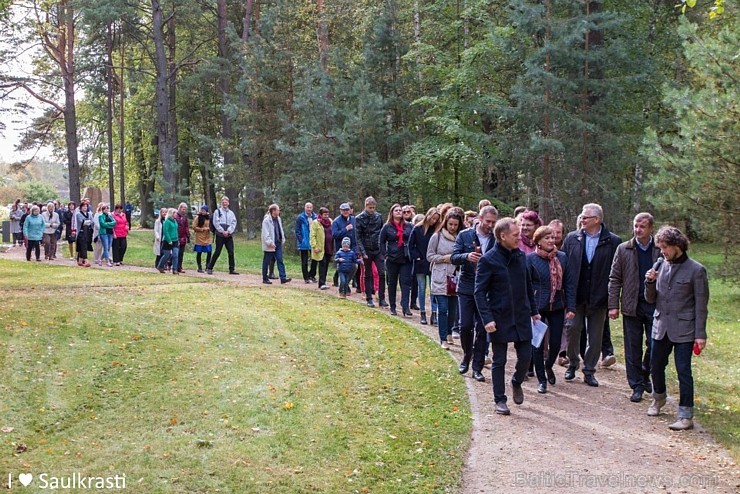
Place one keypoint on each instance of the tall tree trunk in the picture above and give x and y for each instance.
(546, 209)
(66, 61)
(164, 147)
(146, 179)
(121, 129)
(224, 83)
(322, 34)
(109, 111)
(182, 169)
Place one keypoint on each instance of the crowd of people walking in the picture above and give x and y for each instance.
(492, 281)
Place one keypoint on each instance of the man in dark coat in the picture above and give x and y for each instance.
(590, 252)
(505, 301)
(367, 227)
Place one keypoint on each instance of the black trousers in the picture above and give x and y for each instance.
(399, 272)
(34, 245)
(305, 260)
(498, 365)
(119, 249)
(380, 265)
(473, 337)
(228, 242)
(636, 330)
(323, 268)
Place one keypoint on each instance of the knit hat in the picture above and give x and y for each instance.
(346, 241)
(204, 208)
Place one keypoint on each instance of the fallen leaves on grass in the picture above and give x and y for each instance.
(288, 405)
(7, 429)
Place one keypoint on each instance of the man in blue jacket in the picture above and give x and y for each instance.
(303, 242)
(343, 227)
(505, 300)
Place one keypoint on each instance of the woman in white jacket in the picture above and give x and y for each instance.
(439, 253)
(158, 235)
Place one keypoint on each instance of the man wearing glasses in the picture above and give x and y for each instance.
(590, 251)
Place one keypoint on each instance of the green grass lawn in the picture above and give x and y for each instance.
(201, 386)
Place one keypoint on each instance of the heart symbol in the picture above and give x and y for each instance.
(25, 478)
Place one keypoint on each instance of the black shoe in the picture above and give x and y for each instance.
(636, 396)
(414, 307)
(570, 374)
(502, 408)
(307, 281)
(233, 272)
(433, 322)
(200, 270)
(393, 312)
(517, 392)
(285, 280)
(423, 317)
(209, 271)
(407, 313)
(383, 303)
(478, 376)
(267, 282)
(590, 380)
(550, 376)
(273, 277)
(463, 367)
(542, 388)
(313, 280)
(530, 373)
(648, 387)
(370, 303)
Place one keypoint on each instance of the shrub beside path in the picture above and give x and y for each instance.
(574, 438)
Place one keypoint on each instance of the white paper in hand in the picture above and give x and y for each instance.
(539, 329)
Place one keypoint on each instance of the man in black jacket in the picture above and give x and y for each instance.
(470, 246)
(505, 300)
(590, 252)
(367, 229)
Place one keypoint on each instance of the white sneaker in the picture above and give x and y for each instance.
(682, 425)
(450, 340)
(445, 346)
(608, 361)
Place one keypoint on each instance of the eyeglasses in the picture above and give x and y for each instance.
(588, 217)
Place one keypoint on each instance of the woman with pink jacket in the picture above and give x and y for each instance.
(120, 232)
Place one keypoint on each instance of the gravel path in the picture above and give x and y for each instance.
(574, 439)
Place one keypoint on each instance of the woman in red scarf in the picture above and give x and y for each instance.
(528, 222)
(394, 247)
(554, 292)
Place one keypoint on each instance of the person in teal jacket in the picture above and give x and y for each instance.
(33, 230)
(107, 223)
(170, 243)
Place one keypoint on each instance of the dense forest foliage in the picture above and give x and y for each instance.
(542, 103)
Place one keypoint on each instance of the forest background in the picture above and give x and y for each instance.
(548, 104)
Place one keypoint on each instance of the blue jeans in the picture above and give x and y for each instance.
(278, 257)
(167, 255)
(107, 240)
(421, 282)
(446, 315)
(660, 351)
(344, 281)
